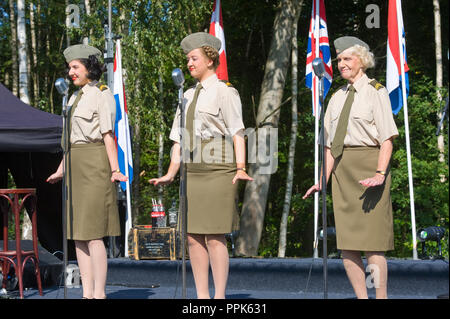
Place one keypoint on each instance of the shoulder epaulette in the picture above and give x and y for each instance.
(227, 83)
(101, 86)
(377, 85)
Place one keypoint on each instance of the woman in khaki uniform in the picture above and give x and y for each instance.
(213, 126)
(92, 207)
(359, 133)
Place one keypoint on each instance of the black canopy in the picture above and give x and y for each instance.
(26, 129)
(30, 149)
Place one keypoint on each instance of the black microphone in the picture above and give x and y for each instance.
(318, 67)
(62, 86)
(178, 77)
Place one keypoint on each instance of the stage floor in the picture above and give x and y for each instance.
(251, 278)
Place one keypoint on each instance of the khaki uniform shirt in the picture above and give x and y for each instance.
(218, 111)
(370, 122)
(94, 115)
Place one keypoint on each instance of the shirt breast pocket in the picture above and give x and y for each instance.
(210, 109)
(363, 117)
(84, 114)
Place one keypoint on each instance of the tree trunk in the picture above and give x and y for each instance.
(87, 6)
(22, 37)
(291, 157)
(23, 86)
(34, 50)
(161, 142)
(255, 198)
(438, 50)
(15, 74)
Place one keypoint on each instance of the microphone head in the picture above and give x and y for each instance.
(178, 77)
(318, 67)
(62, 86)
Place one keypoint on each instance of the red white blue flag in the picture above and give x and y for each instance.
(395, 58)
(121, 127)
(216, 29)
(318, 36)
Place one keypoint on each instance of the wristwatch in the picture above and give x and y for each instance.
(115, 171)
(241, 169)
(381, 172)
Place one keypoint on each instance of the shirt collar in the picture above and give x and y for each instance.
(209, 81)
(358, 85)
(89, 86)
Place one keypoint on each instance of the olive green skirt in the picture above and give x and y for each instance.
(92, 207)
(211, 195)
(363, 216)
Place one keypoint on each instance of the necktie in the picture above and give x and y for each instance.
(190, 117)
(69, 118)
(338, 142)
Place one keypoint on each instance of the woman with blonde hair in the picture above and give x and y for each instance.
(359, 132)
(214, 126)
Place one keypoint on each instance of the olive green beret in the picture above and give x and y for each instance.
(80, 51)
(199, 39)
(343, 43)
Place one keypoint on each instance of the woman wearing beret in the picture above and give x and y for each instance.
(92, 211)
(359, 132)
(213, 127)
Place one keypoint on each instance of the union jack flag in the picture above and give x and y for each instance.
(318, 39)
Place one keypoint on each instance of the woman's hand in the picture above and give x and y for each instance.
(377, 180)
(118, 177)
(55, 177)
(241, 175)
(164, 180)
(312, 190)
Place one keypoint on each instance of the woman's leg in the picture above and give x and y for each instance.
(85, 265)
(99, 266)
(378, 266)
(218, 256)
(198, 255)
(354, 268)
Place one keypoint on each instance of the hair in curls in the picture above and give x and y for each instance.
(93, 66)
(212, 54)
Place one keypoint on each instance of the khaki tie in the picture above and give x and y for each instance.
(69, 118)
(190, 117)
(337, 146)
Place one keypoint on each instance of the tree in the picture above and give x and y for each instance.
(272, 89)
(291, 158)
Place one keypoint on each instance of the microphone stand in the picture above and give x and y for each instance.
(64, 187)
(183, 201)
(324, 192)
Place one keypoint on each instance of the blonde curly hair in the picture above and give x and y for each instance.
(365, 56)
(212, 54)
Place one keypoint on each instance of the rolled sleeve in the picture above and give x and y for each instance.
(106, 112)
(384, 120)
(232, 111)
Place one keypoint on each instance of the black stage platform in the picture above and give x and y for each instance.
(248, 278)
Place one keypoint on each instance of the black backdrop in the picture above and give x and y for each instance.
(30, 149)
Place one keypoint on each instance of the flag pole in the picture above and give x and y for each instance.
(316, 128)
(405, 111)
(128, 223)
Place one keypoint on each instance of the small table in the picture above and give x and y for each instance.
(10, 198)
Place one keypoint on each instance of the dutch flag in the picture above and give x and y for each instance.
(121, 127)
(395, 58)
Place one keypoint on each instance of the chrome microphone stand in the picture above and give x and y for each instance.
(319, 71)
(178, 79)
(63, 89)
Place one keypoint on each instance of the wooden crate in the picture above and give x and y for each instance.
(145, 242)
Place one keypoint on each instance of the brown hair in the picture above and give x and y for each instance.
(212, 54)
